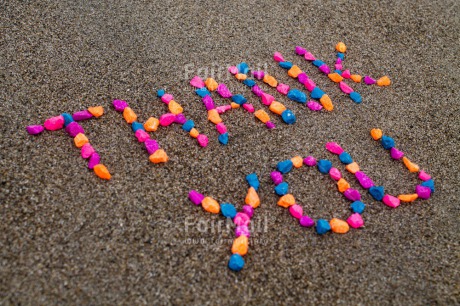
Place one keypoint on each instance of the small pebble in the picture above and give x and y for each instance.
(300, 51)
(248, 210)
(339, 226)
(221, 128)
(248, 107)
(82, 115)
(94, 160)
(282, 189)
(233, 70)
(387, 142)
(80, 139)
(187, 126)
(236, 262)
(135, 126)
(54, 123)
(129, 115)
(223, 138)
(223, 91)
(297, 161)
(352, 194)
(160, 93)
(285, 65)
(142, 135)
(355, 221)
(376, 134)
(283, 88)
(324, 69)
(242, 230)
(202, 92)
(368, 80)
(345, 88)
(271, 81)
(396, 154)
(284, 166)
(101, 171)
(358, 207)
(253, 181)
(341, 55)
(310, 85)
(175, 107)
(167, 119)
(208, 102)
(74, 128)
(294, 71)
(252, 198)
(267, 99)
(314, 106)
(341, 47)
(335, 174)
(306, 221)
(424, 176)
(243, 68)
(211, 84)
(364, 180)
(410, 165)
(286, 200)
(384, 81)
(241, 219)
(151, 145)
(67, 119)
(151, 125)
(377, 192)
(167, 98)
(337, 78)
(210, 205)
(309, 57)
(296, 211)
(87, 150)
(257, 91)
(270, 125)
(202, 140)
(197, 82)
(423, 192)
(35, 129)
(258, 74)
(96, 111)
(429, 183)
(334, 148)
(407, 198)
(391, 201)
(196, 197)
(288, 117)
(356, 78)
(346, 74)
(278, 57)
(240, 245)
(318, 63)
(159, 156)
(316, 93)
(352, 168)
(239, 99)
(345, 158)
(180, 119)
(309, 161)
(356, 97)
(324, 166)
(322, 226)
(276, 177)
(343, 185)
(297, 95)
(119, 105)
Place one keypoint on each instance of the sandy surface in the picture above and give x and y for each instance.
(66, 237)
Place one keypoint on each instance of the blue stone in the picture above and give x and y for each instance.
(239, 99)
(324, 166)
(340, 55)
(288, 117)
(282, 188)
(202, 92)
(67, 118)
(228, 210)
(318, 63)
(223, 138)
(236, 262)
(243, 68)
(429, 183)
(253, 180)
(249, 83)
(317, 93)
(358, 207)
(345, 158)
(356, 97)
(188, 125)
(297, 95)
(377, 192)
(137, 126)
(322, 226)
(160, 93)
(285, 65)
(387, 142)
(339, 72)
(284, 166)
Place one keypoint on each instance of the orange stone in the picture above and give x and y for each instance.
(159, 156)
(262, 116)
(352, 168)
(356, 78)
(151, 125)
(241, 76)
(335, 77)
(277, 108)
(102, 172)
(96, 111)
(408, 197)
(294, 71)
(376, 134)
(175, 107)
(297, 161)
(194, 133)
(339, 226)
(341, 47)
(214, 117)
(252, 198)
(210, 205)
(410, 165)
(129, 115)
(80, 140)
(326, 103)
(234, 105)
(240, 245)
(384, 81)
(270, 80)
(211, 84)
(343, 185)
(286, 201)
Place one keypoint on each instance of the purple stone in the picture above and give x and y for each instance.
(73, 128)
(277, 177)
(423, 192)
(258, 74)
(180, 118)
(248, 210)
(120, 105)
(195, 197)
(300, 51)
(35, 129)
(208, 102)
(82, 115)
(223, 91)
(302, 78)
(256, 89)
(270, 125)
(368, 80)
(94, 160)
(314, 106)
(309, 161)
(151, 145)
(396, 154)
(364, 180)
(325, 69)
(242, 230)
(306, 221)
(352, 194)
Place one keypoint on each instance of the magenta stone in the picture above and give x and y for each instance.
(248, 210)
(94, 160)
(306, 221)
(283, 88)
(35, 129)
(222, 109)
(197, 82)
(346, 74)
(202, 140)
(180, 119)
(151, 145)
(256, 90)
(54, 123)
(302, 78)
(241, 219)
(364, 180)
(82, 115)
(195, 197)
(142, 135)
(278, 57)
(166, 98)
(242, 230)
(73, 128)
(335, 174)
(423, 192)
(300, 51)
(221, 128)
(396, 154)
(424, 176)
(208, 102)
(391, 201)
(258, 74)
(167, 119)
(352, 194)
(334, 148)
(309, 57)
(314, 106)
(248, 107)
(120, 105)
(267, 99)
(345, 88)
(309, 84)
(355, 221)
(324, 69)
(223, 91)
(87, 150)
(296, 211)
(276, 177)
(270, 125)
(233, 70)
(309, 161)
(368, 80)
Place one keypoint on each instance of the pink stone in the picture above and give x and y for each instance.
(142, 135)
(208, 102)
(242, 230)
(368, 80)
(151, 145)
(302, 78)
(345, 88)
(87, 150)
(423, 192)
(94, 160)
(314, 106)
(309, 84)
(309, 161)
(338, 61)
(119, 105)
(267, 99)
(195, 197)
(82, 115)
(259, 74)
(222, 109)
(278, 57)
(256, 90)
(335, 174)
(276, 177)
(364, 180)
(202, 140)
(396, 154)
(167, 119)
(180, 119)
(338, 66)
(324, 69)
(309, 57)
(249, 107)
(352, 194)
(248, 210)
(221, 128)
(283, 88)
(296, 211)
(355, 221)
(73, 129)
(223, 91)
(391, 201)
(300, 51)
(197, 82)
(34, 129)
(334, 148)
(241, 219)
(346, 74)
(54, 123)
(424, 176)
(166, 98)
(233, 70)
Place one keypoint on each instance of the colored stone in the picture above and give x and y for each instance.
(151, 125)
(223, 138)
(352, 194)
(236, 262)
(82, 115)
(345, 88)
(345, 158)
(387, 142)
(167, 119)
(221, 128)
(396, 154)
(241, 219)
(317, 93)
(267, 99)
(284, 166)
(318, 63)
(248, 107)
(294, 71)
(240, 245)
(300, 51)
(258, 74)
(223, 91)
(159, 156)
(278, 57)
(309, 161)
(54, 123)
(208, 103)
(239, 99)
(210, 205)
(167, 98)
(343, 185)
(286, 200)
(243, 68)
(80, 139)
(428, 183)
(202, 140)
(252, 198)
(384, 81)
(346, 74)
(119, 105)
(253, 180)
(288, 117)
(407, 198)
(410, 165)
(356, 78)
(283, 88)
(202, 92)
(355, 221)
(180, 119)
(175, 107)
(87, 150)
(67, 119)
(324, 69)
(297, 95)
(423, 192)
(309, 57)
(282, 189)
(335, 174)
(248, 210)
(352, 168)
(296, 211)
(358, 207)
(314, 106)
(376, 134)
(249, 83)
(356, 97)
(196, 197)
(197, 82)
(129, 115)
(142, 135)
(302, 78)
(326, 103)
(424, 176)
(242, 230)
(391, 201)
(151, 145)
(96, 111)
(324, 166)
(334, 148)
(233, 69)
(194, 133)
(309, 84)
(101, 171)
(135, 126)
(276, 177)
(322, 226)
(377, 192)
(306, 221)
(297, 161)
(341, 47)
(94, 159)
(160, 93)
(271, 81)
(364, 180)
(262, 116)
(270, 125)
(241, 76)
(368, 80)
(74, 128)
(336, 78)
(285, 65)
(339, 226)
